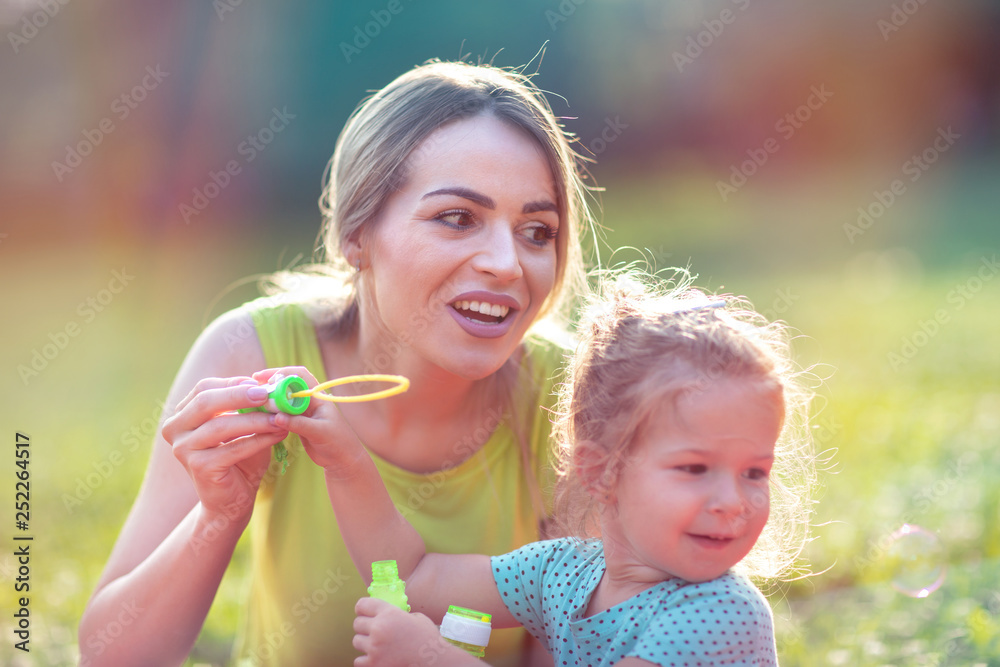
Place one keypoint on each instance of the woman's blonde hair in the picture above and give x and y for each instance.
(375, 147)
(644, 344)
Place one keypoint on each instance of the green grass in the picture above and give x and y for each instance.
(911, 441)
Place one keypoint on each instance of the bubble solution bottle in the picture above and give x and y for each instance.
(467, 629)
(386, 584)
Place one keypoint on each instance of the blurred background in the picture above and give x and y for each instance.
(838, 163)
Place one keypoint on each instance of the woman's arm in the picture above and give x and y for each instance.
(194, 503)
(373, 529)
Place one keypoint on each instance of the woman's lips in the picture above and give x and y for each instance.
(481, 329)
(484, 314)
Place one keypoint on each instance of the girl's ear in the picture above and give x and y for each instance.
(591, 464)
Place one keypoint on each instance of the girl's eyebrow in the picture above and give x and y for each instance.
(487, 202)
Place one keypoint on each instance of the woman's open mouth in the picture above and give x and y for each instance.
(481, 311)
(483, 317)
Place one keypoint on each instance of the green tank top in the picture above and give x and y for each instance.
(303, 585)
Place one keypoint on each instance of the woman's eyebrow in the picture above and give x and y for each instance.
(487, 202)
(536, 206)
(465, 193)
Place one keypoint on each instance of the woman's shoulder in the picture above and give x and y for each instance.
(549, 346)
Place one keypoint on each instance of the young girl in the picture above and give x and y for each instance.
(685, 458)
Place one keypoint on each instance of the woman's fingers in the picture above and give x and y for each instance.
(322, 427)
(228, 427)
(211, 398)
(230, 454)
(212, 383)
(265, 375)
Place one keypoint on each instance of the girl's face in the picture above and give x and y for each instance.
(692, 496)
(463, 255)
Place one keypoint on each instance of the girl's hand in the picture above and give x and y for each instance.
(326, 436)
(388, 636)
(226, 454)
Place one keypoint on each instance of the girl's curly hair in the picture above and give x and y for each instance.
(645, 342)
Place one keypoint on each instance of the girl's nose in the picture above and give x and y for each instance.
(727, 497)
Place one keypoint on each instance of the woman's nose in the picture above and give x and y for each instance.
(498, 253)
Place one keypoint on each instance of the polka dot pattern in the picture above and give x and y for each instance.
(547, 585)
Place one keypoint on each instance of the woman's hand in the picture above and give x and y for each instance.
(388, 636)
(225, 453)
(326, 436)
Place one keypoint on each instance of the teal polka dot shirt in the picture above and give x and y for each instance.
(547, 585)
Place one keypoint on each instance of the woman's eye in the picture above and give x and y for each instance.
(541, 233)
(458, 219)
(757, 473)
(694, 468)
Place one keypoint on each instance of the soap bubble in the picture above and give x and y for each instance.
(916, 560)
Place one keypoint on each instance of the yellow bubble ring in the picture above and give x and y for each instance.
(402, 384)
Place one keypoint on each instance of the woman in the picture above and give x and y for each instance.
(453, 208)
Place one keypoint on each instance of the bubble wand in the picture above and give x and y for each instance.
(292, 395)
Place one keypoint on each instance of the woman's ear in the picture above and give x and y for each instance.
(352, 252)
(590, 462)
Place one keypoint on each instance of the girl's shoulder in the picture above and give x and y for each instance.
(558, 553)
(732, 590)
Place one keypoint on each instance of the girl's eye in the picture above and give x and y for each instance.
(694, 468)
(540, 234)
(757, 474)
(456, 219)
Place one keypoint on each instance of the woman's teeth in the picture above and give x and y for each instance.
(483, 307)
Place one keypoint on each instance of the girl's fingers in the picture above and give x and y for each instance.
(367, 607)
(362, 644)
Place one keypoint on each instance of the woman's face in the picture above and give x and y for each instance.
(462, 257)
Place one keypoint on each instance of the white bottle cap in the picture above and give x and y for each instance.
(466, 626)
